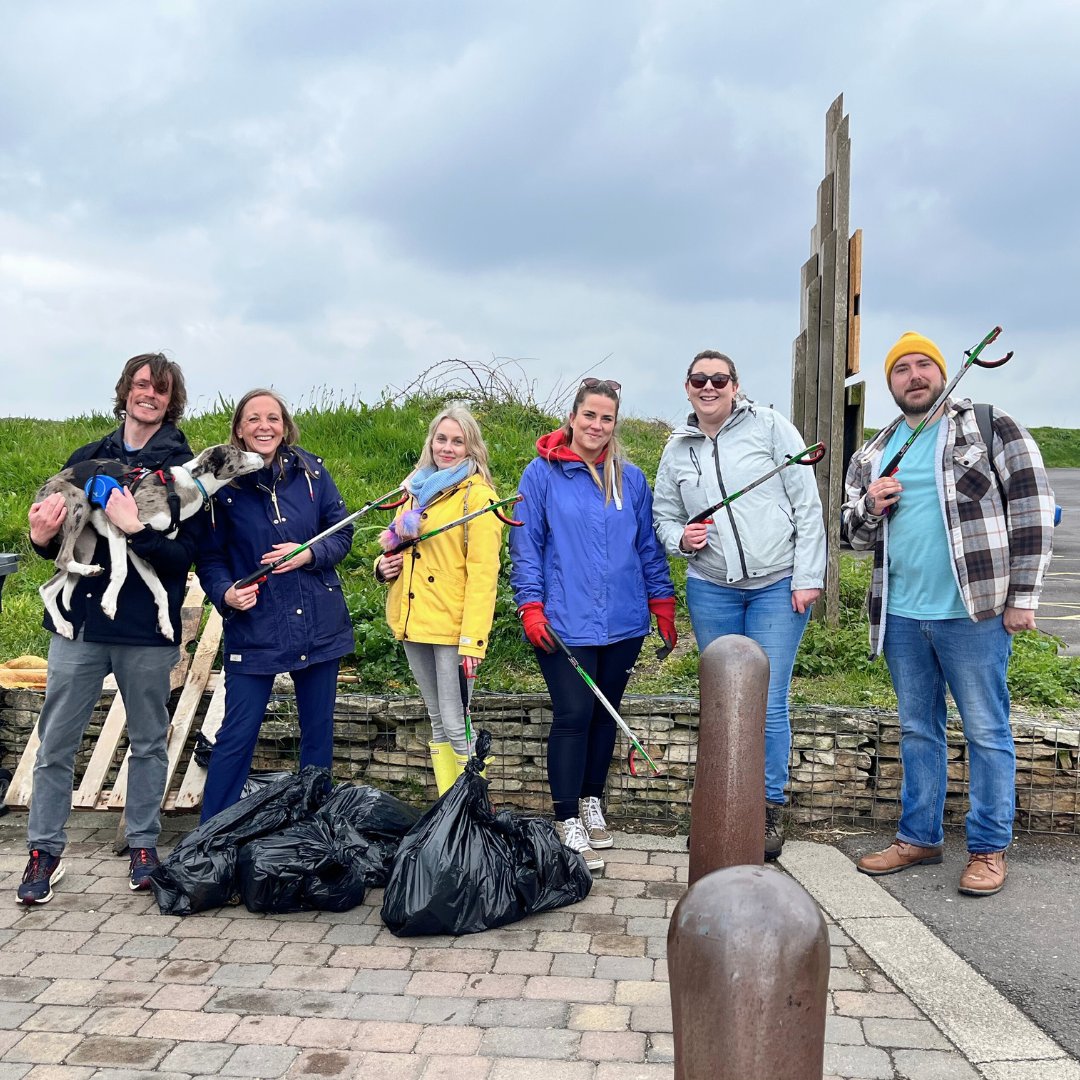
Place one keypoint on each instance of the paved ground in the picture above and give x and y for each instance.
(98, 985)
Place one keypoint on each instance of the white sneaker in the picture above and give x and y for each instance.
(573, 835)
(592, 817)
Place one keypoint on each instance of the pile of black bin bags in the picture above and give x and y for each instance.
(299, 844)
(295, 844)
(463, 868)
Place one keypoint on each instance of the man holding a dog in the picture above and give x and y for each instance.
(150, 398)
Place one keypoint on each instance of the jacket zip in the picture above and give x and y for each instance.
(730, 513)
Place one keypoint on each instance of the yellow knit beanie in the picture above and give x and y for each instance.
(909, 343)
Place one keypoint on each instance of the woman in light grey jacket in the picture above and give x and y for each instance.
(758, 565)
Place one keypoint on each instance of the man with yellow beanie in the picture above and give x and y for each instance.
(961, 540)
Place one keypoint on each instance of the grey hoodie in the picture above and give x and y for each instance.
(774, 528)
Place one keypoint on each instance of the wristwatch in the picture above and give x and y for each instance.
(870, 503)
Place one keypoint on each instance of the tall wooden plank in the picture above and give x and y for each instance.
(798, 382)
(854, 301)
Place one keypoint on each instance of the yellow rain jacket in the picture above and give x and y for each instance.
(445, 594)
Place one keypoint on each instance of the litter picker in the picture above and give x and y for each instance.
(492, 507)
(381, 503)
(971, 357)
(635, 746)
(463, 684)
(810, 456)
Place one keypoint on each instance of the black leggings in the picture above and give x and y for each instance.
(582, 736)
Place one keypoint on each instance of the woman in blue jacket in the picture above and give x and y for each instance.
(296, 620)
(587, 563)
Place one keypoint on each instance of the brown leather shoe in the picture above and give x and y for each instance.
(896, 857)
(984, 874)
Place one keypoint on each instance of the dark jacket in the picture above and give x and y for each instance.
(136, 612)
(301, 617)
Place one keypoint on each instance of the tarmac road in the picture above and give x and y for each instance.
(1025, 940)
(1059, 607)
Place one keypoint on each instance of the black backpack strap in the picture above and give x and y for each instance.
(984, 417)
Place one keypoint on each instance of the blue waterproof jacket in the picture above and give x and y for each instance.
(594, 566)
(301, 617)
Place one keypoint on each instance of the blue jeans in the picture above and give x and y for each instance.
(971, 659)
(765, 616)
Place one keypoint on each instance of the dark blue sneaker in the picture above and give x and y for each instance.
(143, 861)
(42, 872)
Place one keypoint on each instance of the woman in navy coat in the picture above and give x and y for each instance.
(296, 620)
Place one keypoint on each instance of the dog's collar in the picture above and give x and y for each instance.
(202, 490)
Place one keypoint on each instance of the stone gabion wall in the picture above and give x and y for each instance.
(845, 763)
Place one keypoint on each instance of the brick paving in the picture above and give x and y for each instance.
(97, 984)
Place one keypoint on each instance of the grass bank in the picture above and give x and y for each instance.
(369, 448)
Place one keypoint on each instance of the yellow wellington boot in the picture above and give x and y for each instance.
(443, 762)
(459, 764)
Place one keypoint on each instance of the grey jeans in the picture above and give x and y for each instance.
(73, 687)
(435, 668)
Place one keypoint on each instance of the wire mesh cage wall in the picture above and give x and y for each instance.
(845, 763)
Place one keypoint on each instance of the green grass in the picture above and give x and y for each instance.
(369, 448)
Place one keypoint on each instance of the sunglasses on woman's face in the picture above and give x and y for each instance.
(591, 384)
(699, 379)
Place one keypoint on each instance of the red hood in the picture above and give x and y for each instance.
(554, 447)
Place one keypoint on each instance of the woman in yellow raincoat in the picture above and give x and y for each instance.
(442, 590)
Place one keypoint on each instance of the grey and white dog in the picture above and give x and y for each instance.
(193, 484)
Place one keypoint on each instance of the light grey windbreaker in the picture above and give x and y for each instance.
(777, 526)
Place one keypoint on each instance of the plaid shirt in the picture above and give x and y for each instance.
(999, 553)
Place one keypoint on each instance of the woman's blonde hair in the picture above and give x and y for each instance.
(475, 447)
(611, 485)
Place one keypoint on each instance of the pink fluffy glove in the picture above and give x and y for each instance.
(406, 526)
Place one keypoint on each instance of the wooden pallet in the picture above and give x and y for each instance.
(194, 673)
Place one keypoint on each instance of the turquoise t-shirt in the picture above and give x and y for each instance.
(921, 580)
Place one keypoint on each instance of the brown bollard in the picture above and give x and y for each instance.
(727, 818)
(748, 958)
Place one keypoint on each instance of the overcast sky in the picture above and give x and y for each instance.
(331, 197)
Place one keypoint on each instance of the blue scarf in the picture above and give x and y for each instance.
(428, 482)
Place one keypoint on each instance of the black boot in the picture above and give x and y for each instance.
(774, 830)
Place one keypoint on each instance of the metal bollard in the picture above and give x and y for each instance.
(748, 958)
(727, 819)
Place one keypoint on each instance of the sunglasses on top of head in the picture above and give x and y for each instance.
(591, 384)
(699, 379)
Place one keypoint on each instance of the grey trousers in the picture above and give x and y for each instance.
(435, 668)
(73, 687)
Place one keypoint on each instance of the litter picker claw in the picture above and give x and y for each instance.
(809, 456)
(491, 508)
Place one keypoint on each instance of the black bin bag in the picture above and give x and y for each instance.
(327, 862)
(200, 871)
(463, 868)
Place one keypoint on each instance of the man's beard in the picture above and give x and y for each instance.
(911, 410)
